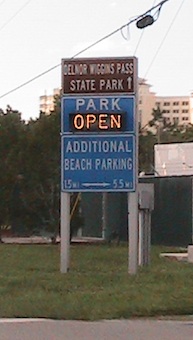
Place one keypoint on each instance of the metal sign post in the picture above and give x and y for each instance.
(65, 232)
(133, 232)
(133, 217)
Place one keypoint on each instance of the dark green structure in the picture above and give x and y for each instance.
(91, 204)
(116, 215)
(172, 218)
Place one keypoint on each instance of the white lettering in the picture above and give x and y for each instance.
(111, 84)
(125, 68)
(104, 103)
(82, 85)
(79, 102)
(115, 104)
(113, 164)
(91, 105)
(75, 69)
(91, 146)
(102, 69)
(74, 164)
(101, 103)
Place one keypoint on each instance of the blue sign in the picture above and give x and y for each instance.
(98, 163)
(104, 114)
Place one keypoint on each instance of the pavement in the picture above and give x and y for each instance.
(47, 240)
(181, 256)
(138, 329)
(176, 256)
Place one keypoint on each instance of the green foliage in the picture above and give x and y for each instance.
(146, 152)
(156, 117)
(30, 172)
(12, 137)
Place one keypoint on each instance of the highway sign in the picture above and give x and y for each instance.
(102, 75)
(104, 114)
(98, 163)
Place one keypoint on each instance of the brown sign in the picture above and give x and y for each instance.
(102, 75)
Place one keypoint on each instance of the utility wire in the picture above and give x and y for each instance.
(1, 3)
(142, 34)
(14, 15)
(85, 49)
(164, 38)
(139, 41)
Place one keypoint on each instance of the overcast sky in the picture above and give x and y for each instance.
(36, 34)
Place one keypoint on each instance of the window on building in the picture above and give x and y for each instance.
(157, 103)
(140, 115)
(185, 103)
(185, 118)
(176, 120)
(175, 103)
(175, 111)
(166, 104)
(185, 111)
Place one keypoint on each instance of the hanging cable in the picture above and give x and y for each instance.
(164, 38)
(1, 3)
(84, 49)
(142, 34)
(14, 15)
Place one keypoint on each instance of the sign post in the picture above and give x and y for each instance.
(65, 232)
(99, 138)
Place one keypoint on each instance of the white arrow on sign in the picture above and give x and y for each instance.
(96, 184)
(129, 83)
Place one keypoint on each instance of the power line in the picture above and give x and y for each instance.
(1, 3)
(14, 15)
(164, 38)
(139, 41)
(85, 49)
(142, 34)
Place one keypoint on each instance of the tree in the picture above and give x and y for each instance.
(43, 169)
(159, 130)
(146, 152)
(12, 136)
(157, 117)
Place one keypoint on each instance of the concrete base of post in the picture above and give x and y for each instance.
(190, 253)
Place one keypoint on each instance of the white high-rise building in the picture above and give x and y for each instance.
(176, 109)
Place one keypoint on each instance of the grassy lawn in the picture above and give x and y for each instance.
(98, 285)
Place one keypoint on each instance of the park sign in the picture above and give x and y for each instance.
(98, 163)
(98, 125)
(99, 76)
(98, 114)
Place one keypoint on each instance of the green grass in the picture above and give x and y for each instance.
(98, 285)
